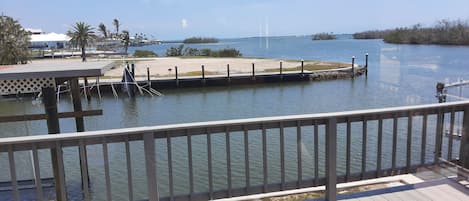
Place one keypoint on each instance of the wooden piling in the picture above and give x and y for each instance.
(79, 122)
(253, 72)
(228, 72)
(366, 64)
(176, 71)
(87, 89)
(50, 107)
(353, 66)
(280, 67)
(203, 74)
(148, 78)
(133, 88)
(302, 66)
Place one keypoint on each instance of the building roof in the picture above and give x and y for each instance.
(50, 37)
(54, 69)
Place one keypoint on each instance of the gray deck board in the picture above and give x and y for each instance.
(445, 190)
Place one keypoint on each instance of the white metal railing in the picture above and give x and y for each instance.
(333, 123)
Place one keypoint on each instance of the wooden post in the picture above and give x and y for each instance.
(464, 149)
(148, 78)
(228, 72)
(302, 66)
(280, 67)
(87, 89)
(331, 157)
(253, 72)
(132, 67)
(203, 74)
(366, 64)
(53, 127)
(79, 122)
(176, 71)
(353, 66)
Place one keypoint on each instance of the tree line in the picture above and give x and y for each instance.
(445, 32)
(200, 40)
(188, 51)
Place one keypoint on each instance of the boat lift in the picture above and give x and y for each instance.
(442, 95)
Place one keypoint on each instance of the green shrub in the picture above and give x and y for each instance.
(144, 53)
(174, 51)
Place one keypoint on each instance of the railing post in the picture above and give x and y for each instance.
(149, 147)
(331, 157)
(464, 149)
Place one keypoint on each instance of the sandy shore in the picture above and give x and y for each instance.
(160, 66)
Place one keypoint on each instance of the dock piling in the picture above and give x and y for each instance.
(176, 71)
(366, 64)
(148, 77)
(228, 72)
(302, 66)
(203, 74)
(280, 67)
(253, 72)
(353, 66)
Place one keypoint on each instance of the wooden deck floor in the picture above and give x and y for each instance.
(444, 189)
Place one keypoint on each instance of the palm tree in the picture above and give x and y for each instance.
(103, 30)
(82, 35)
(116, 25)
(126, 40)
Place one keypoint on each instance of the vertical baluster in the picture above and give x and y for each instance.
(60, 170)
(191, 170)
(150, 166)
(282, 155)
(409, 142)
(450, 136)
(209, 160)
(424, 139)
(37, 173)
(380, 147)
(246, 158)
(464, 148)
(331, 159)
(264, 157)
(14, 181)
(228, 160)
(106, 170)
(348, 149)
(129, 168)
(394, 141)
(84, 171)
(170, 166)
(364, 136)
(298, 151)
(439, 136)
(316, 153)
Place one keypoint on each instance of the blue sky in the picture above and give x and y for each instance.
(178, 19)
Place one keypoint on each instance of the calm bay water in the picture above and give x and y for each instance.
(398, 75)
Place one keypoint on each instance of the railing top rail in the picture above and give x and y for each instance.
(428, 109)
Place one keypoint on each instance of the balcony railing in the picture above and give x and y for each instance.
(366, 144)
